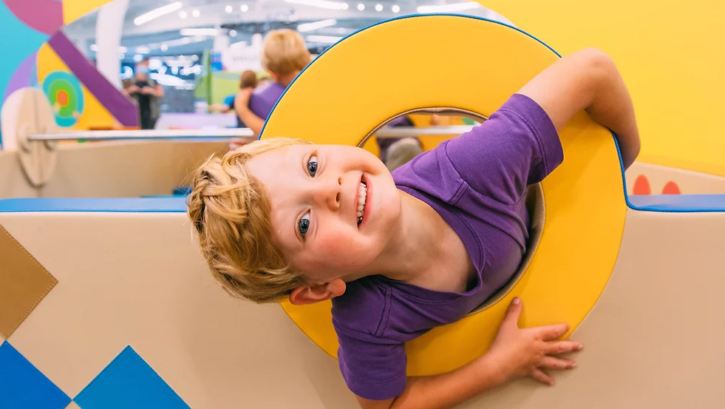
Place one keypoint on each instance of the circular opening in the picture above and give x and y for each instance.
(440, 111)
(534, 196)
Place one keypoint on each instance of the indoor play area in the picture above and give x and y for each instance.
(107, 302)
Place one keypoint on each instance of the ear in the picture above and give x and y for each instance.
(310, 294)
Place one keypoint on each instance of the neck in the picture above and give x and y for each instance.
(407, 259)
(285, 80)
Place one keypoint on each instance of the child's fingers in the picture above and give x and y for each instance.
(551, 362)
(552, 332)
(541, 376)
(562, 347)
(513, 313)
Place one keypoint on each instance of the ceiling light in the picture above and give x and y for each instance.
(323, 39)
(244, 8)
(324, 4)
(164, 47)
(378, 7)
(122, 49)
(361, 7)
(469, 5)
(315, 25)
(345, 6)
(182, 14)
(143, 50)
(228, 9)
(94, 47)
(396, 8)
(232, 33)
(138, 57)
(121, 56)
(199, 32)
(195, 13)
(156, 13)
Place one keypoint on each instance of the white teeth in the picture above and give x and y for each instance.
(362, 197)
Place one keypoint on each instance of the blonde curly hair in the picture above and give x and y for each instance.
(284, 52)
(230, 212)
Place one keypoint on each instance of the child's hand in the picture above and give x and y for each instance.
(521, 352)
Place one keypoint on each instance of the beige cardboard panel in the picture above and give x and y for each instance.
(111, 169)
(12, 180)
(126, 169)
(72, 405)
(188, 156)
(137, 279)
(23, 283)
(689, 182)
(654, 339)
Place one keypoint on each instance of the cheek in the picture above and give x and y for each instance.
(340, 250)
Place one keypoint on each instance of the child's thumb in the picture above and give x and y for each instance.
(514, 312)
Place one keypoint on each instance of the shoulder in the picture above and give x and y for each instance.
(363, 308)
(272, 90)
(431, 173)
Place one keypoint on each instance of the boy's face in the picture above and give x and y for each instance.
(314, 192)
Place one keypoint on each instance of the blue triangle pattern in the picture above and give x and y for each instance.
(23, 386)
(129, 382)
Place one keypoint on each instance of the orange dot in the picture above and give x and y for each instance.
(671, 188)
(641, 186)
(62, 97)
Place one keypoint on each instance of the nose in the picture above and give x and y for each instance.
(326, 192)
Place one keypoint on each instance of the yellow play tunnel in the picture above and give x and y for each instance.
(366, 79)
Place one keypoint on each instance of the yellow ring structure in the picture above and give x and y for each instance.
(470, 64)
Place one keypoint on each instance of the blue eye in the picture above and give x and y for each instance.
(312, 166)
(304, 224)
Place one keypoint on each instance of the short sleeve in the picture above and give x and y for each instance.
(516, 147)
(373, 367)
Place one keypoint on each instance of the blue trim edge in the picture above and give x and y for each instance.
(121, 205)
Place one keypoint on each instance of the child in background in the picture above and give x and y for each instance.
(284, 55)
(247, 81)
(399, 254)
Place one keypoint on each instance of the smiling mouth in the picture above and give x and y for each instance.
(362, 199)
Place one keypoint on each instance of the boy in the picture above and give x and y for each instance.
(400, 254)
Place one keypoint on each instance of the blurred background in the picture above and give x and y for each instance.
(197, 49)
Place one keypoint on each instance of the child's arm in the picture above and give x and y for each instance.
(588, 79)
(516, 352)
(241, 106)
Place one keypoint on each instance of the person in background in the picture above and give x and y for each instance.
(147, 93)
(125, 85)
(248, 80)
(395, 152)
(284, 55)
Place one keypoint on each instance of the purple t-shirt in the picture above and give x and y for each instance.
(477, 183)
(263, 99)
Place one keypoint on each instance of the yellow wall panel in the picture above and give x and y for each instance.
(669, 55)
